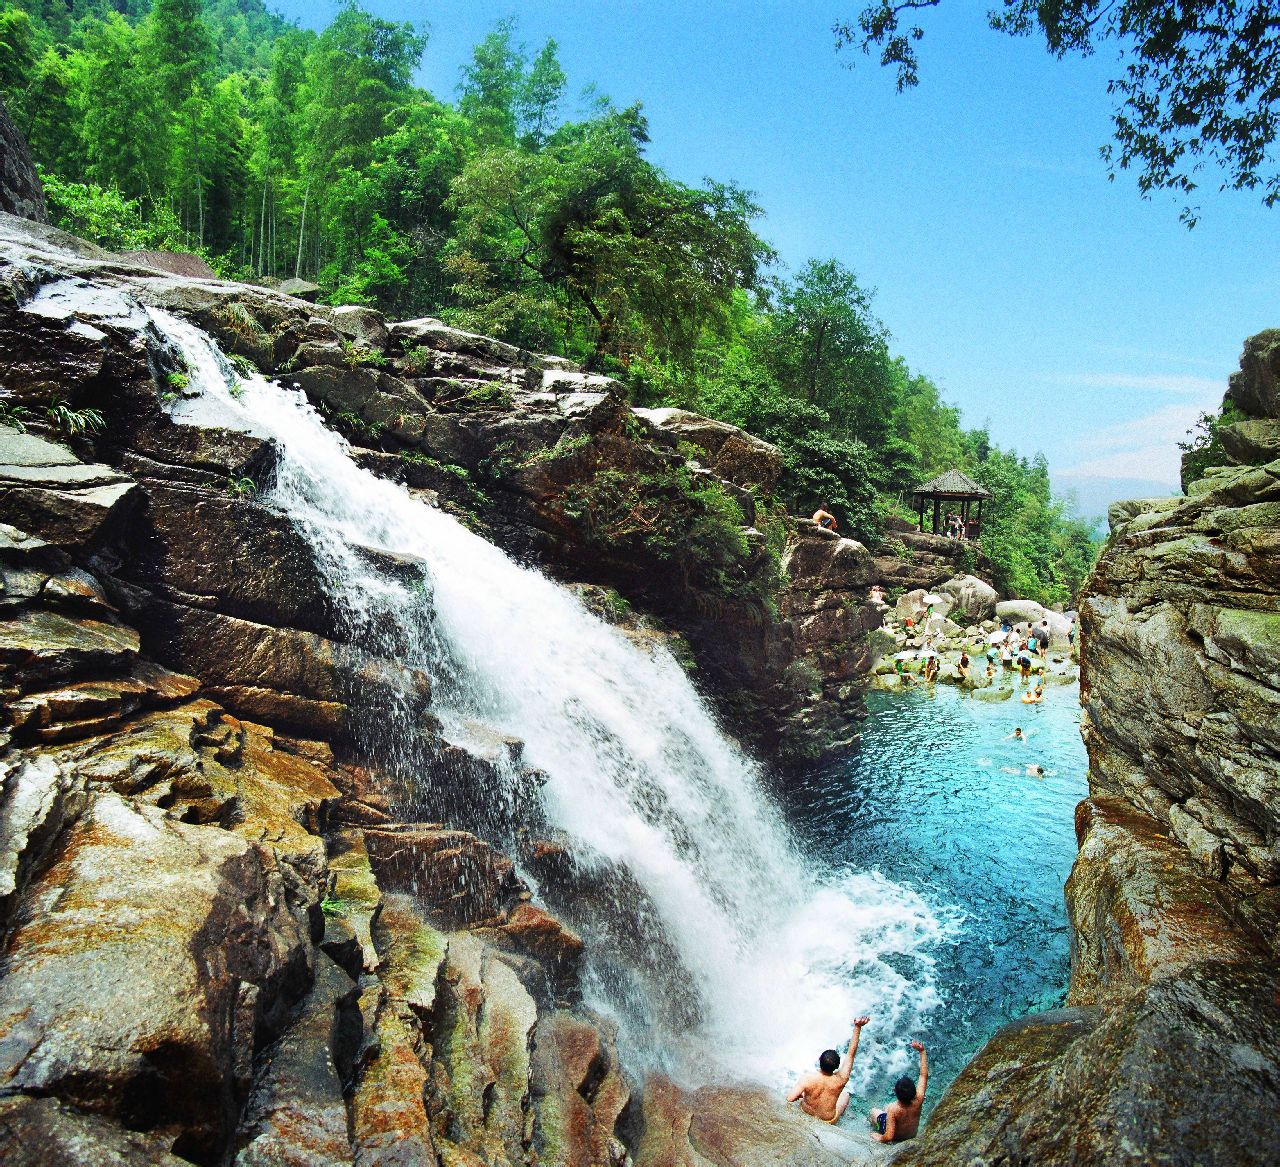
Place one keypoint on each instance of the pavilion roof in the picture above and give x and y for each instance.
(953, 484)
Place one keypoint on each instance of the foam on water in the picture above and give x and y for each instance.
(638, 775)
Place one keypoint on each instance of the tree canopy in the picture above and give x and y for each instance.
(1197, 86)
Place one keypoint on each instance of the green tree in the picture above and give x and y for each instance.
(492, 84)
(590, 230)
(357, 73)
(119, 110)
(538, 97)
(1198, 84)
(828, 348)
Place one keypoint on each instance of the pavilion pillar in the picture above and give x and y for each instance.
(937, 502)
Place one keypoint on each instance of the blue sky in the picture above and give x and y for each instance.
(1077, 318)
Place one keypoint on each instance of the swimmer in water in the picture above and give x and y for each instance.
(1017, 735)
(823, 1094)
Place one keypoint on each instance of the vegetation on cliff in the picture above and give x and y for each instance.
(279, 152)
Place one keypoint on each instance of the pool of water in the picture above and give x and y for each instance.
(940, 798)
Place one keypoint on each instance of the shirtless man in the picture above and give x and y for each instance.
(901, 1118)
(824, 518)
(822, 1094)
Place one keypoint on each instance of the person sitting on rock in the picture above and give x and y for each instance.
(876, 595)
(824, 518)
(822, 1095)
(963, 667)
(900, 1120)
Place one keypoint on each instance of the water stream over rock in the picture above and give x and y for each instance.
(709, 937)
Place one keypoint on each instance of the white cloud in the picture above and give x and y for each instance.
(1179, 383)
(1143, 447)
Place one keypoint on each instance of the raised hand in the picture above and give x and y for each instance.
(859, 1022)
(918, 1047)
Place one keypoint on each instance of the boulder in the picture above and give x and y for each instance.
(20, 191)
(972, 598)
(81, 708)
(149, 959)
(1141, 908)
(579, 1091)
(389, 1122)
(43, 1132)
(1251, 442)
(296, 1113)
(489, 1018)
(38, 798)
(1021, 611)
(534, 932)
(726, 450)
(458, 878)
(48, 489)
(38, 647)
(1113, 1086)
(363, 325)
(1255, 389)
(181, 542)
(742, 1124)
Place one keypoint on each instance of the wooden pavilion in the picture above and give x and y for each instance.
(952, 487)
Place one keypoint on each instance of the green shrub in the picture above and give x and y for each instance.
(74, 421)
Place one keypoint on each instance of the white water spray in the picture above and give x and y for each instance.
(638, 776)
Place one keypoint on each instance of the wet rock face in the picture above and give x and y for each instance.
(20, 191)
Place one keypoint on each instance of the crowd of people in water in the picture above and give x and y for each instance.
(1021, 648)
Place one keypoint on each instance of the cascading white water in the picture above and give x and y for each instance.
(638, 776)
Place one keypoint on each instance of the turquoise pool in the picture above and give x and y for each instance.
(939, 798)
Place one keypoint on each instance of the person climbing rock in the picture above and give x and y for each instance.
(900, 1120)
(822, 1095)
(824, 518)
(1043, 635)
(1024, 660)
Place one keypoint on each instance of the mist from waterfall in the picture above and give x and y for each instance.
(627, 762)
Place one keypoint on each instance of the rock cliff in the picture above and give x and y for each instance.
(20, 190)
(225, 937)
(1174, 900)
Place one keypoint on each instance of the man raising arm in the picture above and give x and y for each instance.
(900, 1120)
(822, 1094)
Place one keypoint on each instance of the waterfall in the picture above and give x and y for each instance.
(774, 958)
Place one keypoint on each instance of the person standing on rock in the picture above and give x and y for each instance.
(822, 1095)
(824, 518)
(900, 1120)
(1044, 636)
